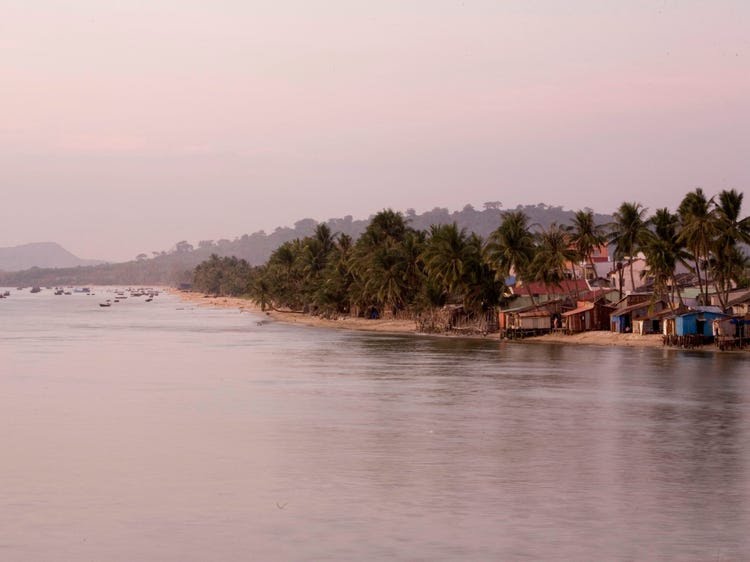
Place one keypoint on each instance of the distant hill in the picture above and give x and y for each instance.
(176, 265)
(39, 254)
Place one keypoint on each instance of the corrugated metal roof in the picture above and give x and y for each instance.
(568, 286)
(632, 307)
(580, 309)
(714, 309)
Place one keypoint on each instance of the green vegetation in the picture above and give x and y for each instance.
(396, 269)
(177, 264)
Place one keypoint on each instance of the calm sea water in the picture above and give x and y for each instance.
(161, 431)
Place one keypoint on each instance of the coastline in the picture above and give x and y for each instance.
(344, 323)
(408, 327)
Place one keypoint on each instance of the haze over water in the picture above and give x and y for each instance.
(161, 431)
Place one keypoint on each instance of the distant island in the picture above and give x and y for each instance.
(42, 255)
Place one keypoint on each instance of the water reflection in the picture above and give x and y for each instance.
(195, 434)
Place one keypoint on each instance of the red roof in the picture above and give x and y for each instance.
(567, 287)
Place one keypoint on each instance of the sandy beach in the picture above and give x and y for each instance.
(601, 338)
(343, 323)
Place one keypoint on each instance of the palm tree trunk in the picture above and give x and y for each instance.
(591, 263)
(677, 288)
(575, 281)
(632, 277)
(698, 275)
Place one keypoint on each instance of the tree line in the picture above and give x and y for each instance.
(394, 268)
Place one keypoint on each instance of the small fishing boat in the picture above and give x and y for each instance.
(105, 304)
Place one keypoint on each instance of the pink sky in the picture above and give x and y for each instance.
(126, 126)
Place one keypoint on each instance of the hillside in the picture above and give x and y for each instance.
(39, 254)
(176, 265)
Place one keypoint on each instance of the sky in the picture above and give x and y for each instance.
(126, 126)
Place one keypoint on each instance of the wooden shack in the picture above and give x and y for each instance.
(623, 319)
(531, 320)
(587, 316)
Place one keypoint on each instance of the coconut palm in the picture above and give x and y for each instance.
(586, 236)
(482, 291)
(699, 230)
(378, 263)
(510, 247)
(728, 211)
(553, 254)
(664, 250)
(385, 279)
(728, 261)
(628, 232)
(447, 255)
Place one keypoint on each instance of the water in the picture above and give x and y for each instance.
(161, 431)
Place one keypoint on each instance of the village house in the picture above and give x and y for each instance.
(643, 305)
(587, 316)
(659, 322)
(542, 292)
(739, 303)
(698, 322)
(596, 268)
(620, 273)
(530, 319)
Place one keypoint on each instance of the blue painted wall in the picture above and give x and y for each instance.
(687, 324)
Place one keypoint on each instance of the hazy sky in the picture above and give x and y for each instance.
(126, 126)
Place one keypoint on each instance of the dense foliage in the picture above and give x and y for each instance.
(176, 265)
(395, 268)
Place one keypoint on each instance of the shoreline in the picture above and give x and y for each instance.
(297, 318)
(408, 327)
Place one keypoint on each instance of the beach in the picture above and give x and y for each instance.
(599, 338)
(343, 323)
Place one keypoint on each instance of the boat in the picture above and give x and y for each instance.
(105, 304)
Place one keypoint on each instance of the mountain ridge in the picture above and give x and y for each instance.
(176, 265)
(44, 255)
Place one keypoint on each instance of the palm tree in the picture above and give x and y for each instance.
(510, 248)
(379, 264)
(663, 250)
(324, 237)
(627, 233)
(552, 256)
(446, 256)
(482, 291)
(586, 236)
(728, 211)
(385, 280)
(698, 231)
(727, 265)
